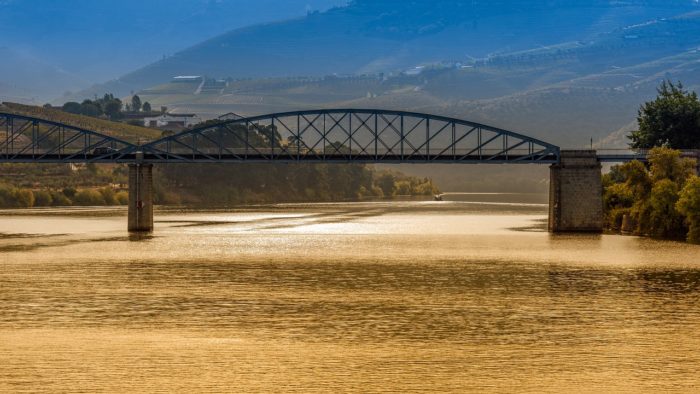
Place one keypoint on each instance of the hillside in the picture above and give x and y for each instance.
(566, 74)
(384, 36)
(120, 130)
(101, 40)
(26, 78)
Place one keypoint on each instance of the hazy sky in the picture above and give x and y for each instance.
(99, 40)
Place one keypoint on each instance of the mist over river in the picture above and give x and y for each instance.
(470, 293)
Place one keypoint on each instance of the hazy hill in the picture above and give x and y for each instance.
(386, 35)
(563, 71)
(24, 77)
(100, 40)
(566, 94)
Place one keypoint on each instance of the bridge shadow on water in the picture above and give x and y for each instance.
(284, 222)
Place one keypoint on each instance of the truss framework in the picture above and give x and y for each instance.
(25, 139)
(329, 135)
(351, 135)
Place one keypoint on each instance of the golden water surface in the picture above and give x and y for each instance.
(355, 297)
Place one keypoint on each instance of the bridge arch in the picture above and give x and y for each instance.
(350, 135)
(30, 139)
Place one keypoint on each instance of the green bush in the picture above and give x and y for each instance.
(42, 198)
(662, 200)
(24, 198)
(69, 192)
(689, 205)
(58, 199)
(665, 220)
(109, 196)
(88, 197)
(7, 199)
(122, 198)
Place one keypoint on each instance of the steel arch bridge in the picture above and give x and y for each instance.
(26, 139)
(328, 135)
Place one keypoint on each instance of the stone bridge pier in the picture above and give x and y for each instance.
(576, 193)
(140, 197)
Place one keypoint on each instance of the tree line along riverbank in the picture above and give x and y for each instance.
(662, 197)
(29, 185)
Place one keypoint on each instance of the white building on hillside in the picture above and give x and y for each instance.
(169, 120)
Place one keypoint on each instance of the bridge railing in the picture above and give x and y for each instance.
(623, 155)
(333, 153)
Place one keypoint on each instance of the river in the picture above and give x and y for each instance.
(467, 294)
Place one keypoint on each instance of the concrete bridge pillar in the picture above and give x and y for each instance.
(140, 197)
(576, 193)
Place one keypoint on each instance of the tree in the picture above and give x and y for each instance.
(88, 108)
(136, 103)
(672, 120)
(637, 179)
(387, 182)
(658, 200)
(42, 198)
(689, 206)
(147, 107)
(88, 197)
(113, 108)
(72, 107)
(664, 219)
(667, 163)
(24, 198)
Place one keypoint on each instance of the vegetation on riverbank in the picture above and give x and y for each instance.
(661, 199)
(26, 186)
(254, 183)
(14, 197)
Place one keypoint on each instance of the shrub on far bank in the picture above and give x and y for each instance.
(12, 197)
(42, 198)
(689, 206)
(58, 199)
(122, 198)
(109, 196)
(661, 200)
(88, 197)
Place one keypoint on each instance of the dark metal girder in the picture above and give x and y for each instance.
(349, 141)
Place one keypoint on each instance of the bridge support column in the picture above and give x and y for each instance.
(140, 197)
(576, 193)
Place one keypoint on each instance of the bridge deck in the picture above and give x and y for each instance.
(283, 158)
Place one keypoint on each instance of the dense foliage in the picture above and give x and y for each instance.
(14, 197)
(659, 200)
(108, 106)
(222, 184)
(671, 120)
(30, 185)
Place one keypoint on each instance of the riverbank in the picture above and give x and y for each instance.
(659, 200)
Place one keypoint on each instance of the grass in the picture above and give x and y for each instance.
(120, 130)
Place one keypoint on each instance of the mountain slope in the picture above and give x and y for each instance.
(28, 79)
(385, 35)
(100, 40)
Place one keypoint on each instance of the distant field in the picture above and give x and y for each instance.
(123, 131)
